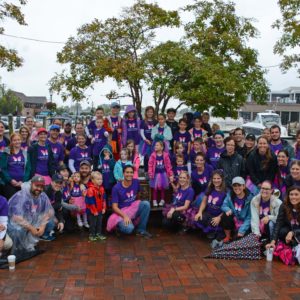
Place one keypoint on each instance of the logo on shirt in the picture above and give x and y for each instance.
(238, 207)
(131, 125)
(17, 159)
(115, 124)
(105, 167)
(203, 180)
(83, 154)
(159, 163)
(212, 200)
(264, 211)
(283, 174)
(150, 126)
(217, 155)
(178, 196)
(182, 139)
(54, 150)
(44, 152)
(130, 196)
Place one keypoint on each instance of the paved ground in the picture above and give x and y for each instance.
(167, 267)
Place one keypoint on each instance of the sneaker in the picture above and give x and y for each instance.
(216, 244)
(48, 238)
(92, 238)
(145, 234)
(79, 223)
(155, 203)
(161, 203)
(101, 237)
(86, 225)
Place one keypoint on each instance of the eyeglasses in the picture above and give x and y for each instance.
(266, 189)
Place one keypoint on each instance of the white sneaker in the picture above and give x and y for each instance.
(155, 203)
(86, 225)
(161, 203)
(79, 223)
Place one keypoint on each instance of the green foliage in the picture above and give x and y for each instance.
(9, 102)
(226, 71)
(9, 58)
(111, 49)
(290, 39)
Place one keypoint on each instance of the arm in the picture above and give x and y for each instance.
(91, 203)
(71, 165)
(4, 170)
(151, 166)
(117, 171)
(254, 218)
(142, 131)
(168, 133)
(250, 165)
(226, 206)
(273, 217)
(184, 207)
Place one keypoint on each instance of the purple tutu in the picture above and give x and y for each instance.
(160, 181)
(190, 217)
(205, 224)
(144, 148)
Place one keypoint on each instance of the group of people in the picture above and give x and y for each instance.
(225, 187)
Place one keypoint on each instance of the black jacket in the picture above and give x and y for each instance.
(55, 199)
(32, 158)
(283, 225)
(232, 166)
(254, 166)
(174, 126)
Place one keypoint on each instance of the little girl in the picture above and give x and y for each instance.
(162, 132)
(131, 126)
(197, 147)
(146, 128)
(77, 193)
(197, 131)
(179, 167)
(134, 157)
(209, 215)
(183, 136)
(120, 164)
(178, 150)
(160, 171)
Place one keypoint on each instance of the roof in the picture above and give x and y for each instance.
(31, 99)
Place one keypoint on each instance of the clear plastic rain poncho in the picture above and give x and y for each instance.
(23, 210)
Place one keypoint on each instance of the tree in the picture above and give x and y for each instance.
(226, 69)
(113, 48)
(9, 102)
(290, 39)
(166, 67)
(9, 58)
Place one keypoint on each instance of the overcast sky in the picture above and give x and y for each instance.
(56, 20)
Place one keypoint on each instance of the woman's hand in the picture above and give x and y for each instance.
(198, 216)
(170, 213)
(289, 237)
(240, 234)
(265, 220)
(14, 183)
(148, 142)
(127, 220)
(60, 226)
(229, 213)
(2, 227)
(216, 221)
(270, 245)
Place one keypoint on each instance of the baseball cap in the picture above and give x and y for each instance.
(220, 132)
(115, 104)
(85, 162)
(54, 127)
(238, 180)
(57, 178)
(38, 180)
(250, 136)
(40, 130)
(68, 122)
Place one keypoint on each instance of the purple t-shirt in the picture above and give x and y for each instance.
(106, 173)
(115, 125)
(3, 145)
(193, 155)
(197, 133)
(238, 204)
(213, 155)
(92, 126)
(182, 195)
(161, 130)
(100, 140)
(42, 161)
(200, 181)
(3, 207)
(178, 169)
(66, 193)
(264, 208)
(297, 153)
(132, 130)
(214, 202)
(147, 126)
(67, 139)
(58, 151)
(24, 146)
(184, 138)
(276, 148)
(159, 164)
(125, 196)
(78, 154)
(76, 191)
(16, 166)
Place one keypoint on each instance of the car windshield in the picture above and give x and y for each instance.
(270, 119)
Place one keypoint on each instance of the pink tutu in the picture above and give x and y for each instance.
(115, 219)
(80, 202)
(160, 181)
(46, 178)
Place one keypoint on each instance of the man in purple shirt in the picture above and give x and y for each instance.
(277, 143)
(56, 146)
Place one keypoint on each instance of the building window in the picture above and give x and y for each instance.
(294, 116)
(285, 116)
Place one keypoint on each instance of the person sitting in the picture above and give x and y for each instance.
(264, 211)
(129, 213)
(29, 211)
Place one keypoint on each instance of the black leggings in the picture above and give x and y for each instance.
(227, 222)
(10, 190)
(95, 223)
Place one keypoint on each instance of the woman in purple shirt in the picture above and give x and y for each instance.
(129, 212)
(13, 166)
(4, 141)
(213, 153)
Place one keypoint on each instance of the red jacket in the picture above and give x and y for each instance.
(95, 199)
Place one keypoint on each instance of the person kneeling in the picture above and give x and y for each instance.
(5, 240)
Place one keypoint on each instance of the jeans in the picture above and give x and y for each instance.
(95, 223)
(143, 215)
(49, 227)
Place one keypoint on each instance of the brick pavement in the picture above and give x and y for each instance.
(167, 267)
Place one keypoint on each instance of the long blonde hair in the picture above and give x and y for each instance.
(11, 147)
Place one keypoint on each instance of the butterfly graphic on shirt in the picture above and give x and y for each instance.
(130, 195)
(83, 154)
(105, 167)
(238, 207)
(178, 196)
(17, 158)
(295, 222)
(203, 180)
(160, 130)
(115, 124)
(44, 152)
(66, 194)
(76, 190)
(217, 155)
(54, 150)
(182, 139)
(212, 200)
(197, 135)
(283, 174)
(131, 125)
(159, 163)
(34, 208)
(150, 126)
(264, 211)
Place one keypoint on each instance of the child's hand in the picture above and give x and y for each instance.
(95, 214)
(106, 134)
(93, 140)
(103, 211)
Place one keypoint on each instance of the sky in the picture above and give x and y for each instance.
(57, 20)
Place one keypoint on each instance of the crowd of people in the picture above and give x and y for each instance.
(55, 180)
